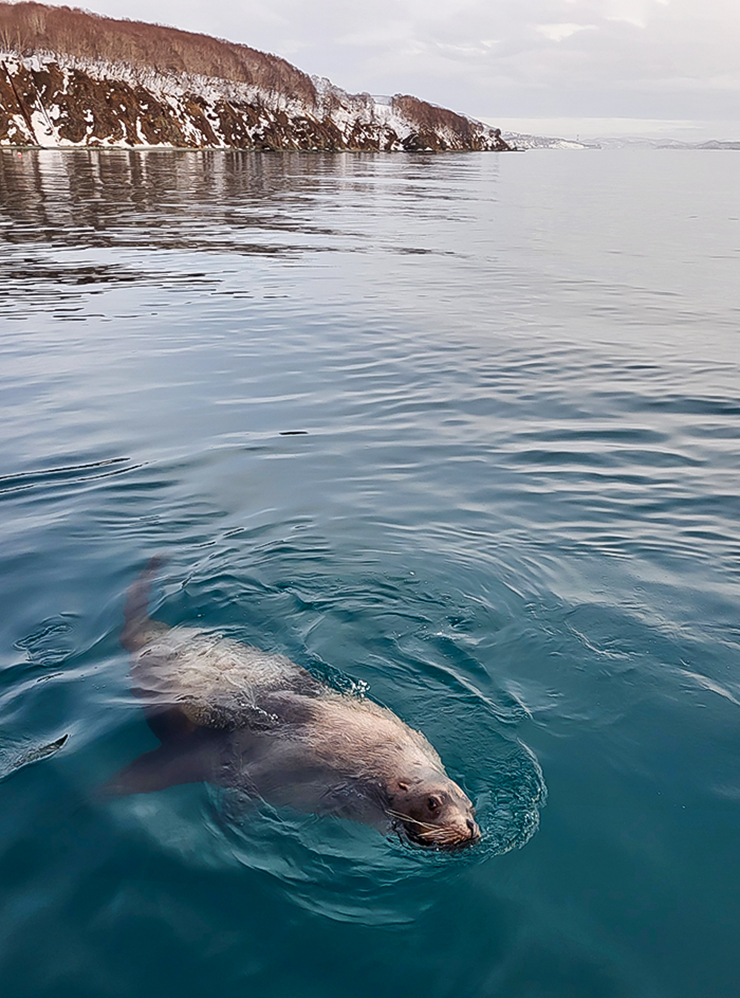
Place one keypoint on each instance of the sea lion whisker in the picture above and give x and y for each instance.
(440, 835)
(415, 821)
(434, 836)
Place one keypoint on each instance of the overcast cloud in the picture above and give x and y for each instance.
(512, 59)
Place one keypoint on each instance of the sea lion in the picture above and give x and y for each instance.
(233, 715)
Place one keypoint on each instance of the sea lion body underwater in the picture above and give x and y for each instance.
(235, 716)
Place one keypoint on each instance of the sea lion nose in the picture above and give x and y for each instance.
(474, 830)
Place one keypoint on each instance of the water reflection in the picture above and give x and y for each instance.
(238, 201)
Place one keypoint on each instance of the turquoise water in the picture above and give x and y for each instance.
(462, 431)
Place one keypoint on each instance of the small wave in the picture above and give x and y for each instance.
(73, 474)
(13, 758)
(50, 643)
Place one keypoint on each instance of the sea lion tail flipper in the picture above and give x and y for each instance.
(136, 608)
(166, 766)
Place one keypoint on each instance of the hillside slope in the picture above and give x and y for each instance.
(71, 78)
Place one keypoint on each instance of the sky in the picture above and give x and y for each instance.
(651, 67)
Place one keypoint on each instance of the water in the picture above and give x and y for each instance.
(463, 430)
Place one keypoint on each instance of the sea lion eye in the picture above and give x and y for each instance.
(434, 803)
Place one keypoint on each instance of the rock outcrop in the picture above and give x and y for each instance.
(70, 78)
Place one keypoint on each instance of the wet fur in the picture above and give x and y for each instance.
(233, 715)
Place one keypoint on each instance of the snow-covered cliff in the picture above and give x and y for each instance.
(72, 94)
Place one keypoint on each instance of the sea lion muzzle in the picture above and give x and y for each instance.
(434, 812)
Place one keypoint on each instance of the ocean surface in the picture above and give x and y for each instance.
(458, 432)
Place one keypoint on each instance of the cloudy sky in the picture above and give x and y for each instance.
(594, 66)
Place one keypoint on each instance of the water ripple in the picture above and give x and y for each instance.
(458, 433)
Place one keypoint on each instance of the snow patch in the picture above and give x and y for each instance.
(359, 120)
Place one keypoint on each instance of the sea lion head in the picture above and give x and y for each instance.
(434, 812)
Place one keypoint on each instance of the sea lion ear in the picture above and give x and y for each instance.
(402, 785)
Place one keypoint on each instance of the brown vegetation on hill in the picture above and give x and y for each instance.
(439, 129)
(30, 27)
(429, 116)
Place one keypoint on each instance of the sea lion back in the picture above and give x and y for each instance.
(215, 681)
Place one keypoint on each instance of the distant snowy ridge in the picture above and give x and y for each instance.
(54, 99)
(521, 142)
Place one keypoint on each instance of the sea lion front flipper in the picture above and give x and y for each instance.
(166, 766)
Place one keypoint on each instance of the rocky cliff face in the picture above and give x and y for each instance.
(59, 86)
